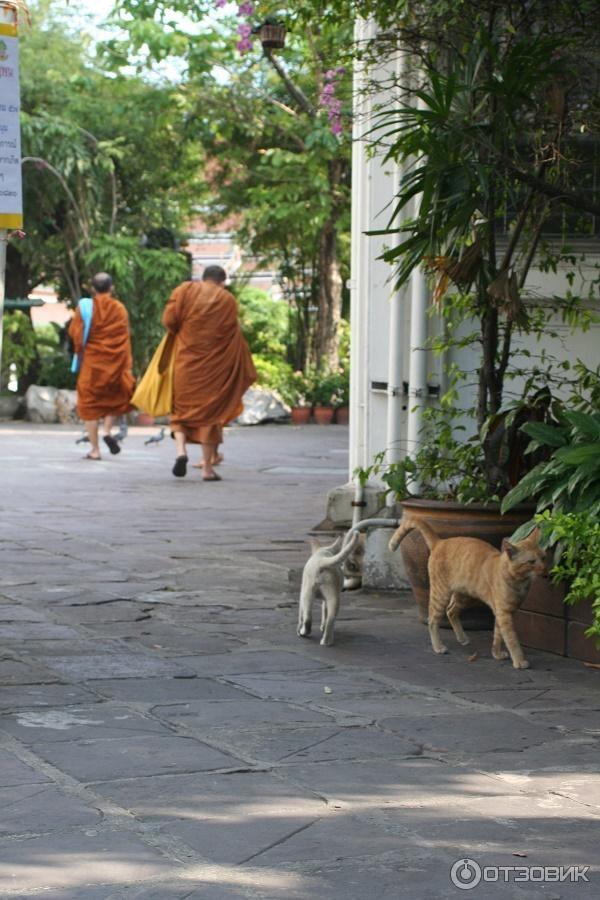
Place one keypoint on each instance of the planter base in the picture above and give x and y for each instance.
(545, 622)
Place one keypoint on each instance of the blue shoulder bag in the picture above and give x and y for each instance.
(86, 308)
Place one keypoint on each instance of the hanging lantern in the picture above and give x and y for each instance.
(272, 35)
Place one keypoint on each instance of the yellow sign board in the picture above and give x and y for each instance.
(11, 193)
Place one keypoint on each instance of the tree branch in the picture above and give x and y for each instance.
(576, 201)
(294, 91)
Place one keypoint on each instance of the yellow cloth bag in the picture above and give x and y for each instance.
(154, 393)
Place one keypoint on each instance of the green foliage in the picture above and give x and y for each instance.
(570, 480)
(274, 168)
(444, 469)
(55, 361)
(274, 375)
(19, 347)
(144, 280)
(264, 321)
(105, 154)
(330, 387)
(576, 537)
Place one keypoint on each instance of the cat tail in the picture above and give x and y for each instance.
(409, 524)
(329, 561)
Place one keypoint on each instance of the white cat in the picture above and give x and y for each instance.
(323, 575)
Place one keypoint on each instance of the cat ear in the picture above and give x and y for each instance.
(534, 536)
(508, 548)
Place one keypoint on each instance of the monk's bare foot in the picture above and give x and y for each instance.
(92, 455)
(216, 461)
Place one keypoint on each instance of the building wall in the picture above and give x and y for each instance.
(218, 247)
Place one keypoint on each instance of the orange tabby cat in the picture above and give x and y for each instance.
(463, 568)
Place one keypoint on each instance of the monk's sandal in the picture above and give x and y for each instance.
(180, 467)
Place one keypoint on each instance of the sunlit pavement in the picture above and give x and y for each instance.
(165, 734)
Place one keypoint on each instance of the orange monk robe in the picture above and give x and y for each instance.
(213, 366)
(105, 382)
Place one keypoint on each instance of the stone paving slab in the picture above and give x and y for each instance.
(22, 697)
(38, 808)
(101, 760)
(77, 859)
(78, 723)
(165, 735)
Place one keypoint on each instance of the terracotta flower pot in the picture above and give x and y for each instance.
(342, 415)
(301, 415)
(323, 415)
(455, 520)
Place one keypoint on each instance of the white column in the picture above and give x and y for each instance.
(360, 265)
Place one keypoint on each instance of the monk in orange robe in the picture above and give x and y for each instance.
(213, 366)
(105, 382)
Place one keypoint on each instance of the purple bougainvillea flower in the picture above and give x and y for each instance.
(246, 9)
(336, 127)
(244, 29)
(221, 3)
(244, 45)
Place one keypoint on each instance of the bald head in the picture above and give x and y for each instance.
(214, 273)
(101, 283)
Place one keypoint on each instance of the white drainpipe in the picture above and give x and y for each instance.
(395, 390)
(417, 378)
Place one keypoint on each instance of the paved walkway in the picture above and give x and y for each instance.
(165, 735)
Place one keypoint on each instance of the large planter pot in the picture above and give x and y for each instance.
(301, 415)
(455, 520)
(545, 622)
(323, 415)
(342, 415)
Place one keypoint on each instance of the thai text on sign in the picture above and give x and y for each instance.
(11, 194)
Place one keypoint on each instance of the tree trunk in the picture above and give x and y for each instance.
(330, 279)
(330, 299)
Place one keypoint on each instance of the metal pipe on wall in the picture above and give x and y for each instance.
(417, 378)
(395, 389)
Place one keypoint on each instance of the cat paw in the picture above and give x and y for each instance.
(304, 629)
(521, 664)
(464, 642)
(500, 654)
(441, 649)
(326, 641)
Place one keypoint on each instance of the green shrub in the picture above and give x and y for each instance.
(55, 361)
(576, 537)
(264, 322)
(274, 375)
(19, 346)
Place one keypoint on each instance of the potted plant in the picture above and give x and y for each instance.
(468, 139)
(296, 391)
(567, 490)
(325, 396)
(342, 412)
(453, 495)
